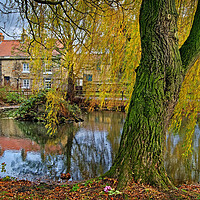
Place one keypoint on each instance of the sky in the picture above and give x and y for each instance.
(11, 24)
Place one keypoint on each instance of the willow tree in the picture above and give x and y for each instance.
(160, 75)
(63, 25)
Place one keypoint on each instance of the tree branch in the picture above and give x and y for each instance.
(49, 2)
(190, 50)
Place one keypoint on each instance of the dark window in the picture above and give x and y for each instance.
(7, 80)
(48, 82)
(87, 77)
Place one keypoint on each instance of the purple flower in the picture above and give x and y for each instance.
(107, 188)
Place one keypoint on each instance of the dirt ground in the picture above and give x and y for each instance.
(91, 189)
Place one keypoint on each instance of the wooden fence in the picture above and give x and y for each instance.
(24, 93)
(79, 92)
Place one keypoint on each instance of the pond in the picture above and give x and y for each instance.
(85, 150)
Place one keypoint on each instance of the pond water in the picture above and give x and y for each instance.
(85, 150)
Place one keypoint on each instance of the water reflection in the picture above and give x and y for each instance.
(85, 150)
(179, 168)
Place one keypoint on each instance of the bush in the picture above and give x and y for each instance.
(10, 97)
(13, 97)
(48, 107)
(3, 94)
(29, 109)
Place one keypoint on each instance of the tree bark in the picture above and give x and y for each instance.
(70, 85)
(158, 82)
(190, 50)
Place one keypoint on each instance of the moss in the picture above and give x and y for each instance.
(158, 81)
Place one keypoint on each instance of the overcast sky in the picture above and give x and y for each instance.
(11, 24)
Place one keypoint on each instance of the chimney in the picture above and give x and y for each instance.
(1, 37)
(23, 36)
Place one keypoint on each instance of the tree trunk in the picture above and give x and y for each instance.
(158, 81)
(190, 50)
(70, 86)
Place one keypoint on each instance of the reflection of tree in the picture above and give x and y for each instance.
(91, 155)
(84, 150)
(89, 152)
(34, 131)
(179, 168)
(23, 154)
(110, 122)
(114, 132)
(57, 154)
(67, 147)
(8, 128)
(96, 143)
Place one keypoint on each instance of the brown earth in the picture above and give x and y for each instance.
(91, 189)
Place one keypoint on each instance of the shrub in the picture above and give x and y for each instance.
(3, 94)
(10, 97)
(13, 97)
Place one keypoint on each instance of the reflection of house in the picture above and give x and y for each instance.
(18, 144)
(12, 137)
(15, 67)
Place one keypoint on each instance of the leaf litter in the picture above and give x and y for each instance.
(91, 189)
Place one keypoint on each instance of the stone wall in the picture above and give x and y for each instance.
(12, 73)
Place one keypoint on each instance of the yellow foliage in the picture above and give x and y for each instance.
(111, 50)
(53, 106)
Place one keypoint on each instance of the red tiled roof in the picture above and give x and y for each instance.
(10, 48)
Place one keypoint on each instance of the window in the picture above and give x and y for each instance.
(47, 83)
(98, 65)
(48, 69)
(79, 82)
(7, 80)
(26, 68)
(26, 84)
(87, 77)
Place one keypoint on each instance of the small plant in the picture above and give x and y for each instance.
(74, 188)
(114, 192)
(3, 167)
(29, 108)
(2, 94)
(3, 193)
(7, 178)
(65, 185)
(107, 188)
(111, 191)
(89, 182)
(49, 108)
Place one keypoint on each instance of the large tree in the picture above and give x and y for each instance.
(160, 75)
